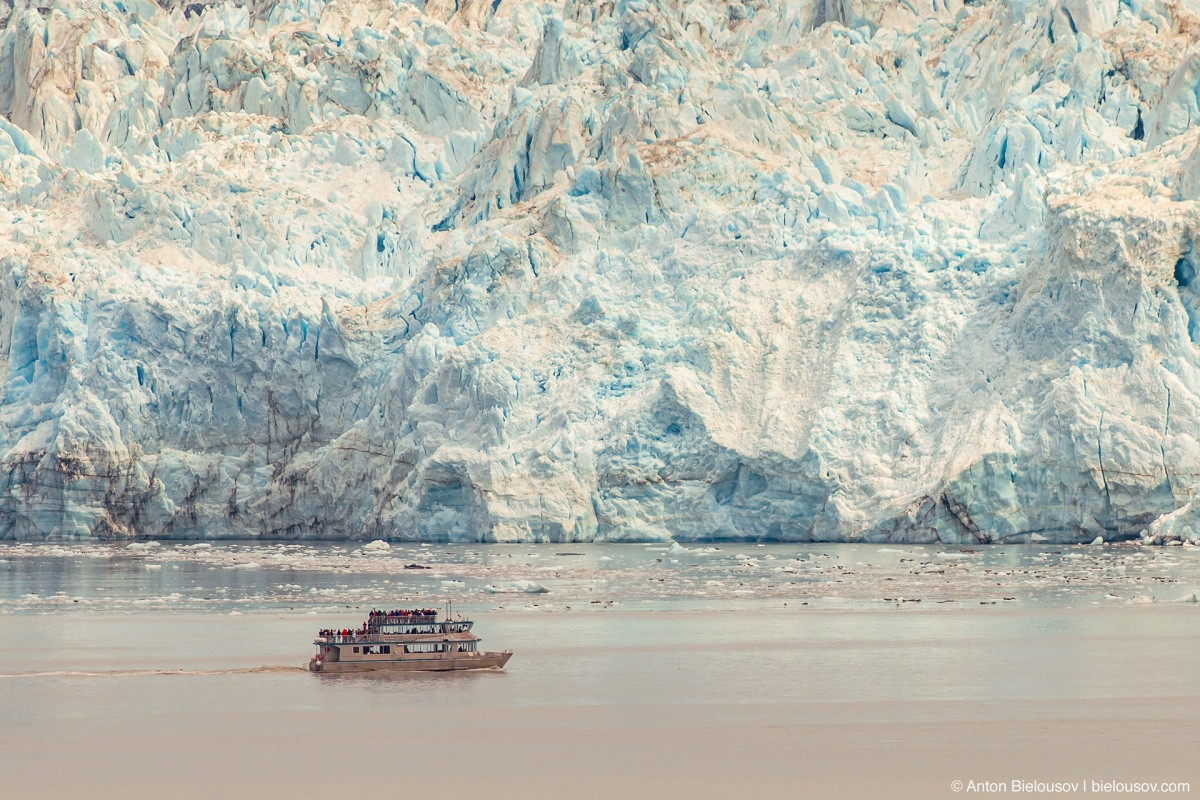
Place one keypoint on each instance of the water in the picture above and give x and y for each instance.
(328, 577)
(801, 671)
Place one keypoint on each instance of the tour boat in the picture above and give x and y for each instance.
(408, 640)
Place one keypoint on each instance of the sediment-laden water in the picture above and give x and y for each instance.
(639, 671)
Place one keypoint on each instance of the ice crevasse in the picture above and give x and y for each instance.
(822, 270)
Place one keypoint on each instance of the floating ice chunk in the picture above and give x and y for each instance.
(153, 566)
(248, 565)
(516, 587)
(676, 548)
(377, 546)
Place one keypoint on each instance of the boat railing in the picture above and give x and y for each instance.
(368, 638)
(423, 626)
(413, 626)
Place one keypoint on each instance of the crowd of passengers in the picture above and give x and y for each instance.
(344, 632)
(421, 613)
(412, 612)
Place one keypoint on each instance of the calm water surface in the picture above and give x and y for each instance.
(177, 673)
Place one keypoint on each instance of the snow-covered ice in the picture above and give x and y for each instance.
(644, 270)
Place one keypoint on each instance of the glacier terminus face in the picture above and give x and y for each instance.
(489, 270)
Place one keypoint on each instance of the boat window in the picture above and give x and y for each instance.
(387, 649)
(356, 649)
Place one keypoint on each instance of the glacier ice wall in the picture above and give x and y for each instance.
(633, 269)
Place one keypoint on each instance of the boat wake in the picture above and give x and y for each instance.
(128, 673)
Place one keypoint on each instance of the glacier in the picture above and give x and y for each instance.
(624, 270)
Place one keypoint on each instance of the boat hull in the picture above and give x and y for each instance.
(486, 660)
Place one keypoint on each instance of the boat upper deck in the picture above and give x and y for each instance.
(392, 626)
(356, 637)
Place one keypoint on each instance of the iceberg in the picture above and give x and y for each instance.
(516, 587)
(649, 270)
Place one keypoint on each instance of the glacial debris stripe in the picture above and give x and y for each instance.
(624, 270)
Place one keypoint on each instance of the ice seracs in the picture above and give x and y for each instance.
(649, 270)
